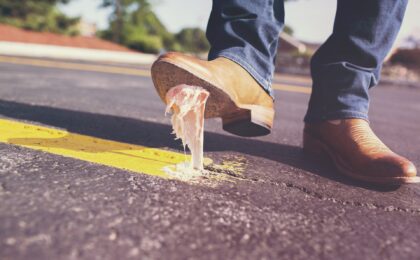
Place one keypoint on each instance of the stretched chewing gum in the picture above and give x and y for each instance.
(188, 104)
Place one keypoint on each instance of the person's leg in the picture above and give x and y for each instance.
(247, 33)
(349, 62)
(343, 70)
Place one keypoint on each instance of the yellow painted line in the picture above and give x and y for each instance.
(284, 87)
(298, 79)
(123, 156)
(75, 66)
(118, 70)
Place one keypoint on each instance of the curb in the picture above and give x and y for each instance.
(72, 53)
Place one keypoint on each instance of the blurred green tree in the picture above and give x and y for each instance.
(193, 40)
(134, 24)
(38, 15)
(118, 15)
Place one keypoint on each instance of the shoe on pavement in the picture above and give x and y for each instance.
(244, 106)
(357, 152)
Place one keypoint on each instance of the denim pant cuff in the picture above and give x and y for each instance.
(264, 83)
(346, 114)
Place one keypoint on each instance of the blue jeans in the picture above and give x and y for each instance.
(344, 67)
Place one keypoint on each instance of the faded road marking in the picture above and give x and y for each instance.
(123, 156)
(75, 66)
(117, 70)
(284, 87)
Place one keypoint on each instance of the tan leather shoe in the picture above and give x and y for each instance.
(245, 108)
(357, 152)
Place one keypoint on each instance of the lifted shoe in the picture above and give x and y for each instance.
(245, 107)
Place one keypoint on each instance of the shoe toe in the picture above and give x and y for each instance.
(408, 169)
(393, 166)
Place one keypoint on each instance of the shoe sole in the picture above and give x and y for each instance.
(241, 120)
(313, 147)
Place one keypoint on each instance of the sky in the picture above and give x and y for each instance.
(311, 20)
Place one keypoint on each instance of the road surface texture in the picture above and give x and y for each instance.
(281, 205)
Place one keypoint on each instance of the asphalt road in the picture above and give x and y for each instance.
(282, 206)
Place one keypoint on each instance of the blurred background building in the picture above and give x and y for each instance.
(86, 28)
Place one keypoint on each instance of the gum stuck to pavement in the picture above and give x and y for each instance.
(188, 104)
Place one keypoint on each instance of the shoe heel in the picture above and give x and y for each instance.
(313, 148)
(249, 121)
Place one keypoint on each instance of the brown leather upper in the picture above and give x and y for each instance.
(227, 75)
(359, 149)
